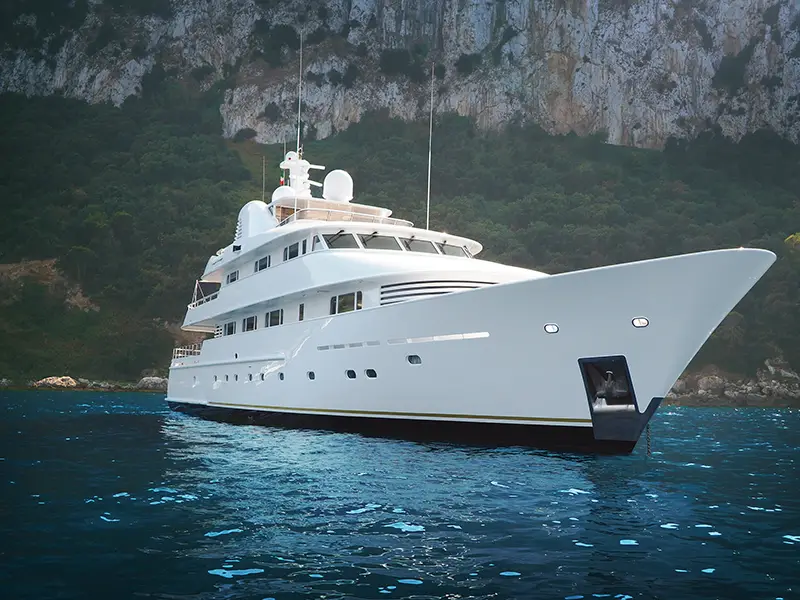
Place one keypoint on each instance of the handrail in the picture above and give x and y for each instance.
(184, 351)
(202, 300)
(325, 214)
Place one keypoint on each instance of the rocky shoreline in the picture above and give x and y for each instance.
(65, 382)
(775, 385)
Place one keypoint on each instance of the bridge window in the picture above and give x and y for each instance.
(229, 328)
(232, 277)
(337, 241)
(347, 303)
(249, 323)
(304, 246)
(415, 245)
(451, 250)
(274, 318)
(316, 243)
(379, 242)
(262, 263)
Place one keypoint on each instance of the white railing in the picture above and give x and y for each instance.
(184, 351)
(329, 214)
(203, 300)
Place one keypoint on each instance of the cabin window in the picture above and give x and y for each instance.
(232, 277)
(379, 242)
(249, 323)
(304, 246)
(338, 241)
(414, 359)
(274, 318)
(371, 373)
(311, 375)
(262, 263)
(229, 328)
(414, 245)
(316, 243)
(291, 251)
(350, 374)
(347, 303)
(301, 312)
(451, 250)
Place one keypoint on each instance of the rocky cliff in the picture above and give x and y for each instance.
(641, 71)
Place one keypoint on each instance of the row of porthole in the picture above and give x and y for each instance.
(413, 359)
(638, 322)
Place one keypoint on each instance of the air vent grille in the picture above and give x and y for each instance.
(411, 290)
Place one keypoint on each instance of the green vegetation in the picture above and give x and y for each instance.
(132, 201)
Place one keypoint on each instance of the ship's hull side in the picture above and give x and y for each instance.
(486, 366)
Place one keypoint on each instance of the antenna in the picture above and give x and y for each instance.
(299, 91)
(263, 175)
(430, 140)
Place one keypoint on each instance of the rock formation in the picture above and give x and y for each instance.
(640, 71)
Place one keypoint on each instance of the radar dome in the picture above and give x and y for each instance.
(254, 218)
(282, 192)
(338, 186)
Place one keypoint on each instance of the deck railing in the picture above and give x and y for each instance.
(184, 351)
(329, 214)
(203, 300)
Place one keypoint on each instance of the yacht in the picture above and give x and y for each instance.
(329, 314)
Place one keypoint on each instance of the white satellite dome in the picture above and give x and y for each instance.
(283, 192)
(338, 186)
(254, 218)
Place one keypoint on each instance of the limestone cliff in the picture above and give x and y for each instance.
(640, 70)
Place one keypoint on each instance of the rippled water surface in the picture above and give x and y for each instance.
(113, 496)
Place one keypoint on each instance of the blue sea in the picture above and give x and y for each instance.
(113, 496)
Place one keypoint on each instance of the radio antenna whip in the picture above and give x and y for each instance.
(430, 140)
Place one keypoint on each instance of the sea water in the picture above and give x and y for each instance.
(114, 496)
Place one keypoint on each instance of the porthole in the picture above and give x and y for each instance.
(262, 377)
(280, 376)
(236, 355)
(236, 377)
(350, 374)
(250, 376)
(194, 379)
(215, 377)
(371, 373)
(640, 322)
(414, 359)
(311, 375)
(551, 328)
(226, 378)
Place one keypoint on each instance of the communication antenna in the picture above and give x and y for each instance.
(299, 91)
(263, 175)
(430, 140)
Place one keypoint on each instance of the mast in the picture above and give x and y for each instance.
(263, 176)
(430, 140)
(299, 91)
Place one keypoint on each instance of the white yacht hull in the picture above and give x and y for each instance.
(488, 368)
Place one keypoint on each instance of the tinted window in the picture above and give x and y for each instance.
(293, 250)
(347, 303)
(262, 264)
(249, 324)
(232, 277)
(301, 312)
(275, 318)
(379, 242)
(230, 328)
(451, 250)
(414, 245)
(337, 241)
